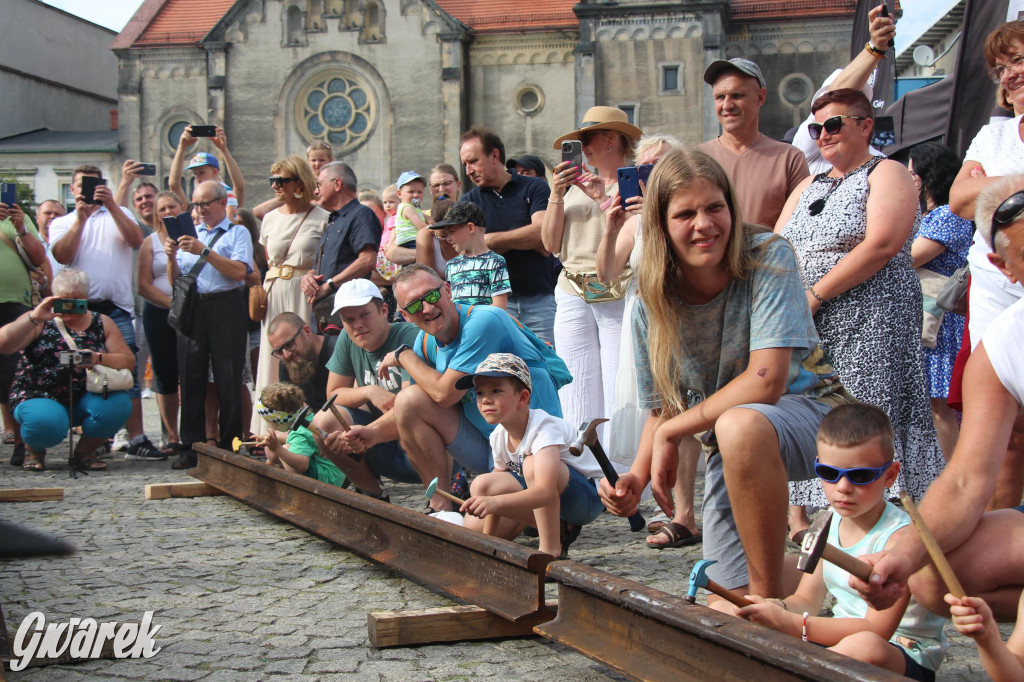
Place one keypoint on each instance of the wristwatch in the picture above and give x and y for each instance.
(332, 284)
(205, 252)
(398, 351)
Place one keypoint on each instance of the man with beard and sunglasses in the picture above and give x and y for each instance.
(303, 355)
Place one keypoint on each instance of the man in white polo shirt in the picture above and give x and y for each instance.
(98, 239)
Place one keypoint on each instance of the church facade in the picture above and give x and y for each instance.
(391, 84)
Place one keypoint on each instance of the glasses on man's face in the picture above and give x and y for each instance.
(832, 125)
(278, 181)
(856, 476)
(1014, 63)
(288, 345)
(431, 297)
(1007, 214)
(202, 204)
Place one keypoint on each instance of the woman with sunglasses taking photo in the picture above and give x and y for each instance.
(290, 234)
(851, 229)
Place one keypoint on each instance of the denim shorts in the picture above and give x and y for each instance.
(915, 670)
(385, 459)
(471, 448)
(579, 502)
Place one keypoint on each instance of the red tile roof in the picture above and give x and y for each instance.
(506, 16)
(182, 22)
(776, 10)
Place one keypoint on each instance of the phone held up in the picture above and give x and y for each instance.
(147, 169)
(204, 131)
(74, 306)
(629, 179)
(8, 193)
(89, 185)
(572, 151)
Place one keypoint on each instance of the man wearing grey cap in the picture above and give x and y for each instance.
(762, 170)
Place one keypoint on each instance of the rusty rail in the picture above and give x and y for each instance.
(503, 577)
(652, 635)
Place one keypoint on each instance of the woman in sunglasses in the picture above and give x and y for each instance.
(726, 352)
(851, 229)
(290, 234)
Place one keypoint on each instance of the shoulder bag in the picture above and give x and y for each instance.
(258, 294)
(931, 284)
(99, 378)
(184, 294)
(953, 295)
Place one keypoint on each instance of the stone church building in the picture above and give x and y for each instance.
(391, 84)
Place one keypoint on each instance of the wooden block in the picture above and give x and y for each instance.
(162, 491)
(31, 494)
(445, 624)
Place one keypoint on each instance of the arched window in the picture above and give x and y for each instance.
(372, 31)
(295, 30)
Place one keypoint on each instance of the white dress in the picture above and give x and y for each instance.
(628, 418)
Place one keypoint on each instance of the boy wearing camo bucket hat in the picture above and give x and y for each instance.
(536, 481)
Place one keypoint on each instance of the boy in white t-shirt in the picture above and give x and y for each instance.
(536, 481)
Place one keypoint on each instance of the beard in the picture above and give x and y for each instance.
(300, 370)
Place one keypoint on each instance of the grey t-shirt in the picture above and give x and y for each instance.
(349, 360)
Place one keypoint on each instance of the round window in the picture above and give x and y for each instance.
(336, 107)
(174, 133)
(796, 89)
(529, 100)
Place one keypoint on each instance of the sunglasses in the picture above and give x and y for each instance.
(1007, 214)
(288, 345)
(832, 125)
(431, 297)
(856, 476)
(278, 181)
(202, 204)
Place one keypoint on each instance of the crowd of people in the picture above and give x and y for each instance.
(778, 322)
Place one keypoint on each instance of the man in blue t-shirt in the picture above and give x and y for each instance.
(433, 415)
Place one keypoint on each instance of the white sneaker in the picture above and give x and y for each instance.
(146, 394)
(121, 440)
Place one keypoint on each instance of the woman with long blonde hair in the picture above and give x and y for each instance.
(726, 352)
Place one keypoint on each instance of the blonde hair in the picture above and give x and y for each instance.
(654, 141)
(661, 280)
(320, 146)
(297, 167)
(283, 396)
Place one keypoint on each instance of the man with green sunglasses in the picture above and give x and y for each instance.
(436, 421)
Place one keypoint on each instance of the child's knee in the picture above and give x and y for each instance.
(866, 647)
(44, 422)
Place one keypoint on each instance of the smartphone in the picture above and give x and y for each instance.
(147, 169)
(185, 227)
(75, 306)
(89, 185)
(572, 151)
(629, 184)
(8, 193)
(644, 172)
(885, 10)
(884, 134)
(204, 131)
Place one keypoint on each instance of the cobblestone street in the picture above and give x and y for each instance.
(240, 595)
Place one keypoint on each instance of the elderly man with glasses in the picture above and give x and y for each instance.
(437, 421)
(984, 548)
(219, 335)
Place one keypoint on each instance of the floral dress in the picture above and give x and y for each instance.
(872, 332)
(956, 234)
(40, 374)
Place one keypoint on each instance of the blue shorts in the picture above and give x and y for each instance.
(471, 448)
(44, 422)
(915, 670)
(385, 459)
(124, 323)
(579, 503)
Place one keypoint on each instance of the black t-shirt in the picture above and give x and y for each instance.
(316, 390)
(529, 272)
(352, 228)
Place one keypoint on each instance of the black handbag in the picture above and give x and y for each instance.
(185, 293)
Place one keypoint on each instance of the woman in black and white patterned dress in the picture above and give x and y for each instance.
(852, 230)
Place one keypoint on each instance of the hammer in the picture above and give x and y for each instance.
(432, 490)
(329, 405)
(318, 433)
(938, 558)
(699, 579)
(587, 436)
(237, 443)
(815, 546)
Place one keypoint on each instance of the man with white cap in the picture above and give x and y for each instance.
(366, 399)
(763, 171)
(205, 166)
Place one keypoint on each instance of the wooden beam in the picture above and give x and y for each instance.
(444, 624)
(162, 491)
(31, 494)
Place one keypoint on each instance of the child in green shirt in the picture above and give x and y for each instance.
(278, 405)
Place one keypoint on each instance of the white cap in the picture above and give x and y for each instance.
(355, 292)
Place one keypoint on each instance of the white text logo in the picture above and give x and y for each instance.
(82, 638)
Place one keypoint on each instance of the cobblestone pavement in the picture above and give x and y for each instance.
(240, 595)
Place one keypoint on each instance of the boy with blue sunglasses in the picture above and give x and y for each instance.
(855, 465)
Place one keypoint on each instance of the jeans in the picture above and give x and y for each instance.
(44, 422)
(124, 323)
(537, 312)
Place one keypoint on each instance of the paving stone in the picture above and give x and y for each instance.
(290, 667)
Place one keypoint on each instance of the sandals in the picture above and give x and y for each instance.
(658, 522)
(9, 438)
(33, 461)
(89, 461)
(678, 536)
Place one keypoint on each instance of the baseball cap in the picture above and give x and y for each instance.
(355, 292)
(460, 214)
(527, 161)
(498, 365)
(407, 177)
(744, 66)
(203, 159)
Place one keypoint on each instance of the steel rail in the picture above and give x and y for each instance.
(503, 577)
(648, 634)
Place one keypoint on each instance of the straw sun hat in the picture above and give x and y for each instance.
(603, 118)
